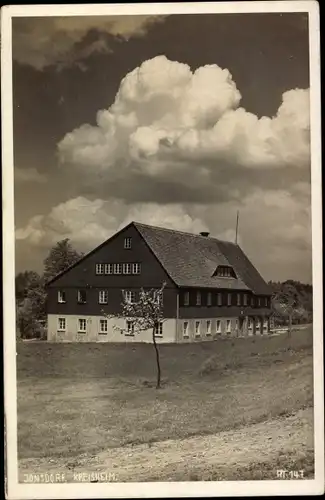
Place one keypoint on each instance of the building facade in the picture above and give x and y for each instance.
(211, 289)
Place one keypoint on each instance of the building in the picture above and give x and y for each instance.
(212, 289)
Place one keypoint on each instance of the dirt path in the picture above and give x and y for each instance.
(216, 456)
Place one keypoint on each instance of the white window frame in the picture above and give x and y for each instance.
(61, 297)
(197, 327)
(186, 298)
(127, 243)
(229, 299)
(136, 268)
(117, 268)
(198, 298)
(101, 330)
(159, 333)
(108, 268)
(209, 299)
(62, 328)
(79, 297)
(209, 327)
(228, 325)
(99, 268)
(127, 268)
(84, 322)
(129, 296)
(218, 326)
(219, 299)
(103, 296)
(130, 322)
(185, 329)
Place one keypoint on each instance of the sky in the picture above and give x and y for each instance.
(177, 121)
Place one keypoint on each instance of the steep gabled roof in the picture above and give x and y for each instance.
(190, 260)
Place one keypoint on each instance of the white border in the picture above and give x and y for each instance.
(21, 491)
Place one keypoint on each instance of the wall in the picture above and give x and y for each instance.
(113, 335)
(83, 276)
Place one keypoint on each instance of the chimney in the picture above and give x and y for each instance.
(204, 233)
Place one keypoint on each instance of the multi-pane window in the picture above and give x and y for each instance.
(208, 327)
(61, 324)
(185, 329)
(265, 301)
(127, 242)
(136, 268)
(238, 299)
(224, 272)
(186, 298)
(103, 296)
(130, 327)
(218, 326)
(159, 329)
(228, 325)
(103, 326)
(127, 267)
(245, 299)
(117, 268)
(82, 296)
(229, 299)
(198, 298)
(158, 297)
(82, 325)
(219, 299)
(209, 299)
(259, 302)
(197, 328)
(108, 268)
(129, 296)
(99, 268)
(61, 297)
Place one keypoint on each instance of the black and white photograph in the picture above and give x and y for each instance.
(162, 263)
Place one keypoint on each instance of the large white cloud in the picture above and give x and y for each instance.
(170, 123)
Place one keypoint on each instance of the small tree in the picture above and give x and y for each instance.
(145, 314)
(285, 303)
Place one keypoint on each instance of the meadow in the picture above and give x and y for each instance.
(83, 404)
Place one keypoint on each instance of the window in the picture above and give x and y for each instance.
(186, 298)
(250, 323)
(265, 324)
(185, 329)
(252, 301)
(209, 299)
(238, 299)
(198, 298)
(130, 327)
(228, 325)
(103, 296)
(136, 268)
(108, 268)
(61, 324)
(259, 302)
(82, 325)
(245, 299)
(117, 268)
(159, 329)
(158, 298)
(82, 296)
(129, 296)
(127, 242)
(208, 327)
(103, 327)
(265, 302)
(61, 297)
(258, 324)
(218, 326)
(99, 268)
(224, 272)
(127, 268)
(229, 299)
(197, 328)
(219, 299)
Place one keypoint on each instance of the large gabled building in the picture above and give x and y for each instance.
(212, 289)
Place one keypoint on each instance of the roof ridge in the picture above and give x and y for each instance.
(183, 232)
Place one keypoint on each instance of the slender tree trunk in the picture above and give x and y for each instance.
(290, 325)
(157, 358)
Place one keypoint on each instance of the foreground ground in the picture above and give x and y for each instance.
(230, 409)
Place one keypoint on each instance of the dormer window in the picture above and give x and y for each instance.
(127, 242)
(224, 272)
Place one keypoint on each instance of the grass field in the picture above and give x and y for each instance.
(82, 400)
